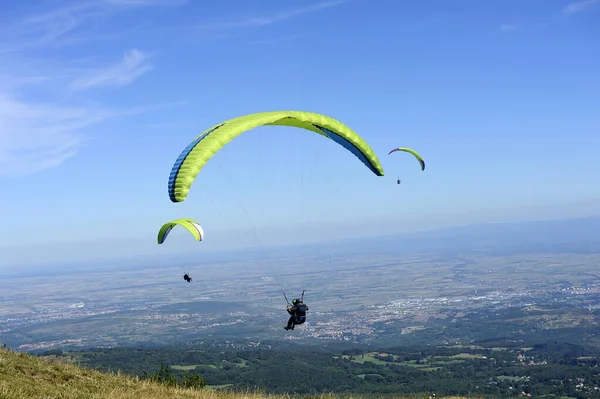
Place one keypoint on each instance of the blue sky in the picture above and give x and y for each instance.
(98, 98)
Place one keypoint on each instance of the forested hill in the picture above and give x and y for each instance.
(25, 376)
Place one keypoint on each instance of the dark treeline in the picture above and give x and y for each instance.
(498, 368)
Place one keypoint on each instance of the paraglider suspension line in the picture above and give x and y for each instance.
(286, 299)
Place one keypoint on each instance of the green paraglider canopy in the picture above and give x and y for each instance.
(193, 158)
(413, 152)
(190, 224)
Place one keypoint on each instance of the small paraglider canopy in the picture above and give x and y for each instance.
(189, 224)
(413, 152)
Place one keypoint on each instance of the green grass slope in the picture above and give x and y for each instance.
(25, 376)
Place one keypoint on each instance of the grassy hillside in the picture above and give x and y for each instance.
(24, 376)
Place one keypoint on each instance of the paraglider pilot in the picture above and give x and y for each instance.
(187, 278)
(297, 313)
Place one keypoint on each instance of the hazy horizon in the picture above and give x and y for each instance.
(115, 251)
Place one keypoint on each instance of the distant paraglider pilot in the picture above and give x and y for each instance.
(297, 313)
(187, 278)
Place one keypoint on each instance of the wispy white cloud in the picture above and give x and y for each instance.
(45, 110)
(72, 23)
(133, 65)
(35, 136)
(278, 39)
(255, 22)
(146, 2)
(169, 125)
(49, 26)
(38, 136)
(580, 6)
(507, 28)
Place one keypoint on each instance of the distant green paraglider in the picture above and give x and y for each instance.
(413, 152)
(193, 158)
(189, 224)
(410, 151)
